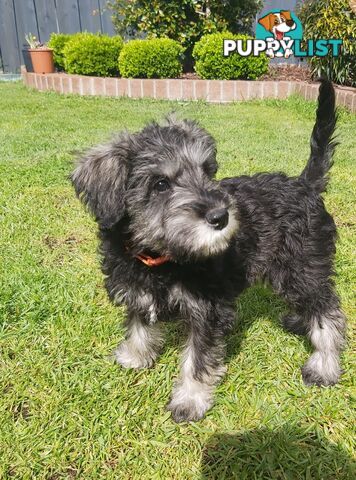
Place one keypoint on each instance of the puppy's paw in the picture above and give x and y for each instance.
(129, 357)
(189, 408)
(187, 412)
(293, 323)
(322, 369)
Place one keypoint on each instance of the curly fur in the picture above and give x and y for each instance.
(276, 229)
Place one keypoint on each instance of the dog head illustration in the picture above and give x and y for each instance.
(278, 23)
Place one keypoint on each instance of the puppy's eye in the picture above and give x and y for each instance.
(210, 168)
(162, 185)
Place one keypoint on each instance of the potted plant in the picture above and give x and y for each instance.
(41, 55)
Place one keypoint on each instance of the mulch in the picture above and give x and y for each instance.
(290, 73)
(275, 72)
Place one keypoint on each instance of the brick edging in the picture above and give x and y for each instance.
(217, 91)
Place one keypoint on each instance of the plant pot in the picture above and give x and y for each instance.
(27, 58)
(42, 60)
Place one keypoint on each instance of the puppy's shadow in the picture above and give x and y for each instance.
(255, 302)
(285, 453)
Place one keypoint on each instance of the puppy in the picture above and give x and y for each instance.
(176, 244)
(279, 24)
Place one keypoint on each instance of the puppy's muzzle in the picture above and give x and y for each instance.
(218, 218)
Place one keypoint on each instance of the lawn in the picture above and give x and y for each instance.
(66, 411)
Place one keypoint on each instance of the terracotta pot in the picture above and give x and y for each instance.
(42, 60)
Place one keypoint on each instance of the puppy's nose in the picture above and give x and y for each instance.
(218, 218)
(290, 23)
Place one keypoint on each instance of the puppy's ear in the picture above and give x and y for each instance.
(100, 177)
(267, 21)
(286, 14)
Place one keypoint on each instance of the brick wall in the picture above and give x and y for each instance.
(217, 91)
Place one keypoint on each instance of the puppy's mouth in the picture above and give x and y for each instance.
(190, 237)
(279, 34)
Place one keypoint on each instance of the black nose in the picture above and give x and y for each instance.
(290, 23)
(218, 218)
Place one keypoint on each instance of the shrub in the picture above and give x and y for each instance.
(154, 58)
(332, 19)
(92, 54)
(210, 62)
(58, 41)
(183, 20)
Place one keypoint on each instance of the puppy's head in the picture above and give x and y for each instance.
(278, 23)
(161, 181)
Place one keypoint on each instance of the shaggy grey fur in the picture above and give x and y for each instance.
(153, 192)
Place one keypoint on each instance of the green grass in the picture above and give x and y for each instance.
(65, 410)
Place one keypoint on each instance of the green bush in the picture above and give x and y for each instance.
(332, 19)
(211, 64)
(92, 54)
(183, 20)
(58, 41)
(154, 58)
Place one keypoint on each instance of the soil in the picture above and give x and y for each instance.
(275, 72)
(289, 73)
(190, 76)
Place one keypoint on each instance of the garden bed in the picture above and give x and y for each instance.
(289, 72)
(219, 91)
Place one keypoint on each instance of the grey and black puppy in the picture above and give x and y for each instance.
(176, 244)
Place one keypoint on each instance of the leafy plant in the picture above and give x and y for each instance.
(92, 54)
(153, 58)
(57, 42)
(210, 62)
(33, 42)
(332, 19)
(183, 20)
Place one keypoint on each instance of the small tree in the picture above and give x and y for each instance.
(183, 20)
(332, 19)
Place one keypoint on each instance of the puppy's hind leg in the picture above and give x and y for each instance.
(142, 343)
(294, 323)
(326, 332)
(319, 317)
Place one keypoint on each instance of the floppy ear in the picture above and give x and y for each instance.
(267, 21)
(286, 14)
(100, 178)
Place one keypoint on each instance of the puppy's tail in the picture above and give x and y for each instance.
(322, 144)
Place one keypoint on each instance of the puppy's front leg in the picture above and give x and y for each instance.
(201, 369)
(142, 342)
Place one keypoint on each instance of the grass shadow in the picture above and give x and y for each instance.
(285, 453)
(254, 303)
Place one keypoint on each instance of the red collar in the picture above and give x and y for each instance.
(149, 261)
(153, 262)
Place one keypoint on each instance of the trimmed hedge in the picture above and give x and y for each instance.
(92, 54)
(58, 41)
(211, 64)
(152, 58)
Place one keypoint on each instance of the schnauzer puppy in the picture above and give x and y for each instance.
(177, 244)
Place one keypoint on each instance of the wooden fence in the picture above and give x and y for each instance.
(41, 18)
